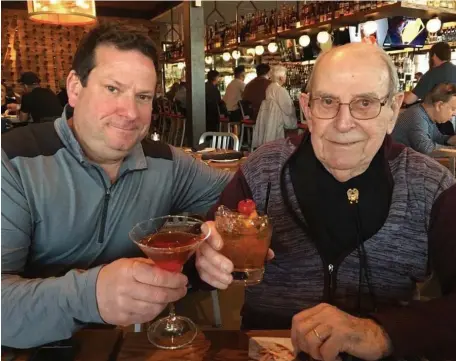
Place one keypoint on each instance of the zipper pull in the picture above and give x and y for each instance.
(330, 271)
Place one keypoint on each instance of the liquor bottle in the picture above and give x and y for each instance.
(272, 20)
(321, 12)
(330, 11)
(280, 22)
(356, 6)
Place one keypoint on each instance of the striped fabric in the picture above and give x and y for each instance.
(416, 130)
(294, 279)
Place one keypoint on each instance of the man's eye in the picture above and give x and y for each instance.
(364, 103)
(145, 98)
(327, 101)
(111, 89)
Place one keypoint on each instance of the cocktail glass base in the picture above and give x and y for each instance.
(247, 276)
(171, 333)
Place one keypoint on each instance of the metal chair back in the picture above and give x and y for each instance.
(221, 140)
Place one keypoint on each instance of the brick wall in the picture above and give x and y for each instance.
(47, 50)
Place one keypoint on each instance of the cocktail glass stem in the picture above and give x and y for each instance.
(173, 326)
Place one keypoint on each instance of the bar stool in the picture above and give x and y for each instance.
(247, 125)
(225, 121)
(177, 127)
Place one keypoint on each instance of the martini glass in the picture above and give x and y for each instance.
(170, 241)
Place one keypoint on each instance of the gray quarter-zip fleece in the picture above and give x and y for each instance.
(62, 219)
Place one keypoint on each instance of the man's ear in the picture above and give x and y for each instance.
(74, 87)
(304, 104)
(396, 104)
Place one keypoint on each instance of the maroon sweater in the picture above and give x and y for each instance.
(296, 279)
(255, 93)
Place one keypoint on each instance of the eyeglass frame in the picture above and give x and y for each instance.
(382, 104)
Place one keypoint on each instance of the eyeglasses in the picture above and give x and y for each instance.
(362, 108)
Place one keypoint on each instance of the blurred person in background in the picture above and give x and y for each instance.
(255, 90)
(37, 103)
(277, 112)
(418, 76)
(441, 70)
(416, 127)
(62, 94)
(171, 93)
(233, 94)
(181, 98)
(4, 105)
(213, 101)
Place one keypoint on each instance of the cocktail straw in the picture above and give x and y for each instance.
(268, 192)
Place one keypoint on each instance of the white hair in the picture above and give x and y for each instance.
(277, 72)
(393, 84)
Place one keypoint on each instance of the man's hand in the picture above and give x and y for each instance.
(324, 332)
(452, 140)
(134, 290)
(213, 267)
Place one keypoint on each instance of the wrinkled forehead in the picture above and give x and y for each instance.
(452, 101)
(126, 66)
(348, 75)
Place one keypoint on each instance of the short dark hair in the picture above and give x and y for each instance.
(239, 70)
(440, 93)
(121, 36)
(441, 50)
(29, 78)
(262, 69)
(212, 74)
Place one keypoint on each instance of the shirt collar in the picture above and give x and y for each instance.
(135, 160)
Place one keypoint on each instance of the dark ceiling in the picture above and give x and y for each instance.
(128, 9)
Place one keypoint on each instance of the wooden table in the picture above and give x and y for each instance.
(447, 155)
(230, 166)
(94, 345)
(214, 345)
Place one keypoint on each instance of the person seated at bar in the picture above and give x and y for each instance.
(37, 104)
(62, 94)
(4, 104)
(181, 98)
(171, 94)
(213, 101)
(233, 94)
(277, 112)
(255, 90)
(12, 101)
(416, 127)
(350, 211)
(73, 189)
(441, 70)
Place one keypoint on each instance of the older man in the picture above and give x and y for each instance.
(277, 112)
(350, 213)
(73, 189)
(417, 126)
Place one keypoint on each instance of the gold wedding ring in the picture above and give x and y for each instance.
(317, 334)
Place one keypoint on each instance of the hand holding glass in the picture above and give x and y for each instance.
(170, 241)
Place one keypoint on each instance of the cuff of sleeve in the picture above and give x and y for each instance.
(403, 330)
(90, 295)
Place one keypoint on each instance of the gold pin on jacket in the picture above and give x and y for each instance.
(353, 195)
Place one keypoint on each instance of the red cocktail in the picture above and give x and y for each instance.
(170, 241)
